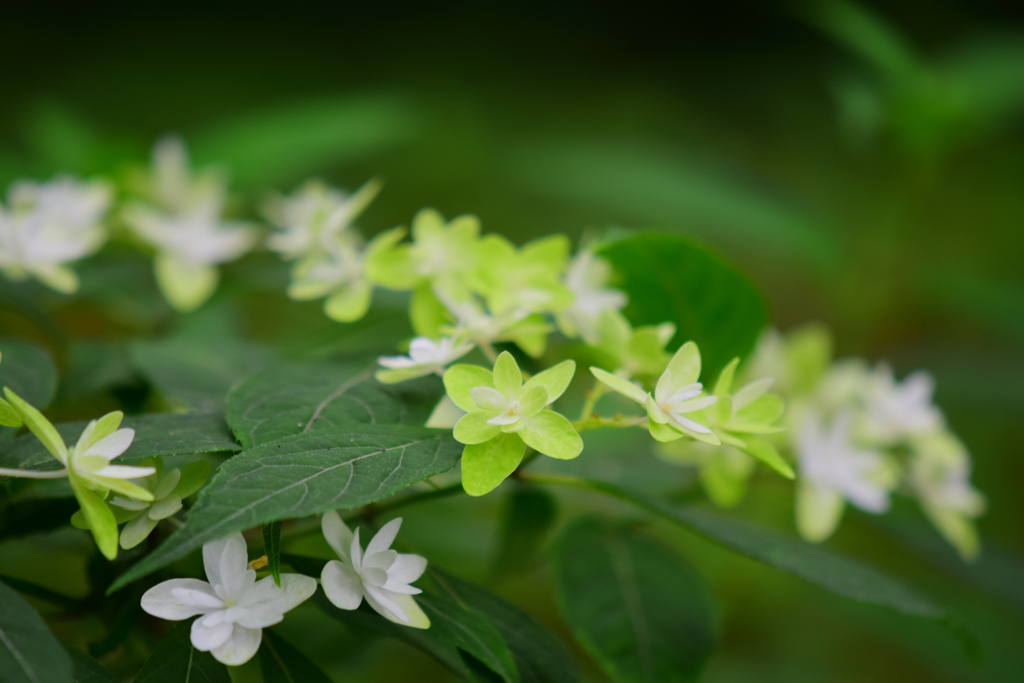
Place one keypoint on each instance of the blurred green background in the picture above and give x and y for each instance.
(865, 164)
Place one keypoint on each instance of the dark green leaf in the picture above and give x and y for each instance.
(155, 434)
(29, 653)
(279, 661)
(272, 548)
(88, 670)
(28, 371)
(176, 660)
(640, 611)
(671, 279)
(301, 399)
(304, 475)
(527, 516)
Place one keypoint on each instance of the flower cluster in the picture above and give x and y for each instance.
(233, 607)
(859, 435)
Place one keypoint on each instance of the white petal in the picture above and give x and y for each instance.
(295, 589)
(112, 445)
(384, 538)
(690, 424)
(751, 392)
(356, 552)
(124, 472)
(207, 637)
(226, 561)
(337, 534)
(385, 604)
(396, 362)
(373, 577)
(407, 568)
(240, 647)
(693, 405)
(382, 560)
(423, 350)
(414, 615)
(342, 585)
(489, 398)
(502, 419)
(192, 597)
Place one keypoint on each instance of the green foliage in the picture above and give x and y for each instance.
(272, 549)
(29, 653)
(638, 609)
(176, 660)
(304, 475)
(527, 517)
(87, 669)
(28, 371)
(279, 661)
(672, 279)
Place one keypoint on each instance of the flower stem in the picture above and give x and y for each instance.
(33, 474)
(489, 351)
(598, 422)
(595, 393)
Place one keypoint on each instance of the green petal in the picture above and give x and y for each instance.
(724, 383)
(818, 511)
(766, 453)
(136, 531)
(508, 379)
(60, 278)
(554, 380)
(551, 252)
(427, 224)
(39, 426)
(107, 425)
(472, 428)
(8, 416)
(98, 516)
(186, 287)
(426, 312)
(533, 401)
(193, 476)
(461, 379)
(552, 434)
(957, 528)
(654, 411)
(390, 264)
(620, 385)
(683, 370)
(762, 413)
(122, 486)
(486, 465)
(350, 303)
(662, 433)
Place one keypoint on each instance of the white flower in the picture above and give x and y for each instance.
(339, 273)
(586, 277)
(834, 470)
(899, 410)
(235, 607)
(425, 356)
(380, 575)
(49, 225)
(674, 403)
(185, 227)
(315, 216)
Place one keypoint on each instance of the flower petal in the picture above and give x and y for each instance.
(384, 538)
(342, 585)
(136, 531)
(552, 434)
(683, 369)
(213, 558)
(407, 568)
(486, 465)
(109, 447)
(337, 534)
(180, 599)
(620, 385)
(384, 602)
(206, 637)
(489, 398)
(476, 427)
(533, 401)
(415, 616)
(508, 379)
(460, 380)
(750, 392)
(554, 380)
(818, 511)
(240, 647)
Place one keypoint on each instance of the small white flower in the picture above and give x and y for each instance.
(425, 356)
(586, 277)
(235, 607)
(314, 217)
(899, 410)
(379, 574)
(49, 225)
(675, 404)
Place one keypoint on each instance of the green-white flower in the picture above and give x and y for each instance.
(676, 400)
(587, 278)
(314, 216)
(527, 278)
(169, 490)
(426, 356)
(633, 353)
(504, 415)
(337, 273)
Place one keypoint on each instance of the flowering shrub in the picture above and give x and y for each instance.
(511, 352)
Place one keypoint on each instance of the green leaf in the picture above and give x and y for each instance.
(671, 279)
(279, 661)
(638, 609)
(29, 653)
(88, 670)
(620, 385)
(486, 465)
(304, 475)
(272, 549)
(832, 572)
(28, 371)
(528, 514)
(155, 434)
(98, 517)
(176, 660)
(291, 399)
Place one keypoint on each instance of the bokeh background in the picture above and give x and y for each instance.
(864, 163)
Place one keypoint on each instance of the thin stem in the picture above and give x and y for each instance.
(593, 396)
(489, 351)
(176, 522)
(33, 474)
(598, 422)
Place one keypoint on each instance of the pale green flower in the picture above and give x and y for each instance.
(504, 415)
(895, 410)
(527, 278)
(676, 395)
(337, 273)
(169, 490)
(426, 356)
(49, 225)
(587, 277)
(473, 322)
(183, 222)
(797, 361)
(634, 353)
(314, 216)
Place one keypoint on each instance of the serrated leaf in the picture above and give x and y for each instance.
(29, 652)
(155, 434)
(671, 279)
(636, 607)
(290, 399)
(28, 371)
(176, 660)
(304, 475)
(272, 549)
(279, 661)
(88, 670)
